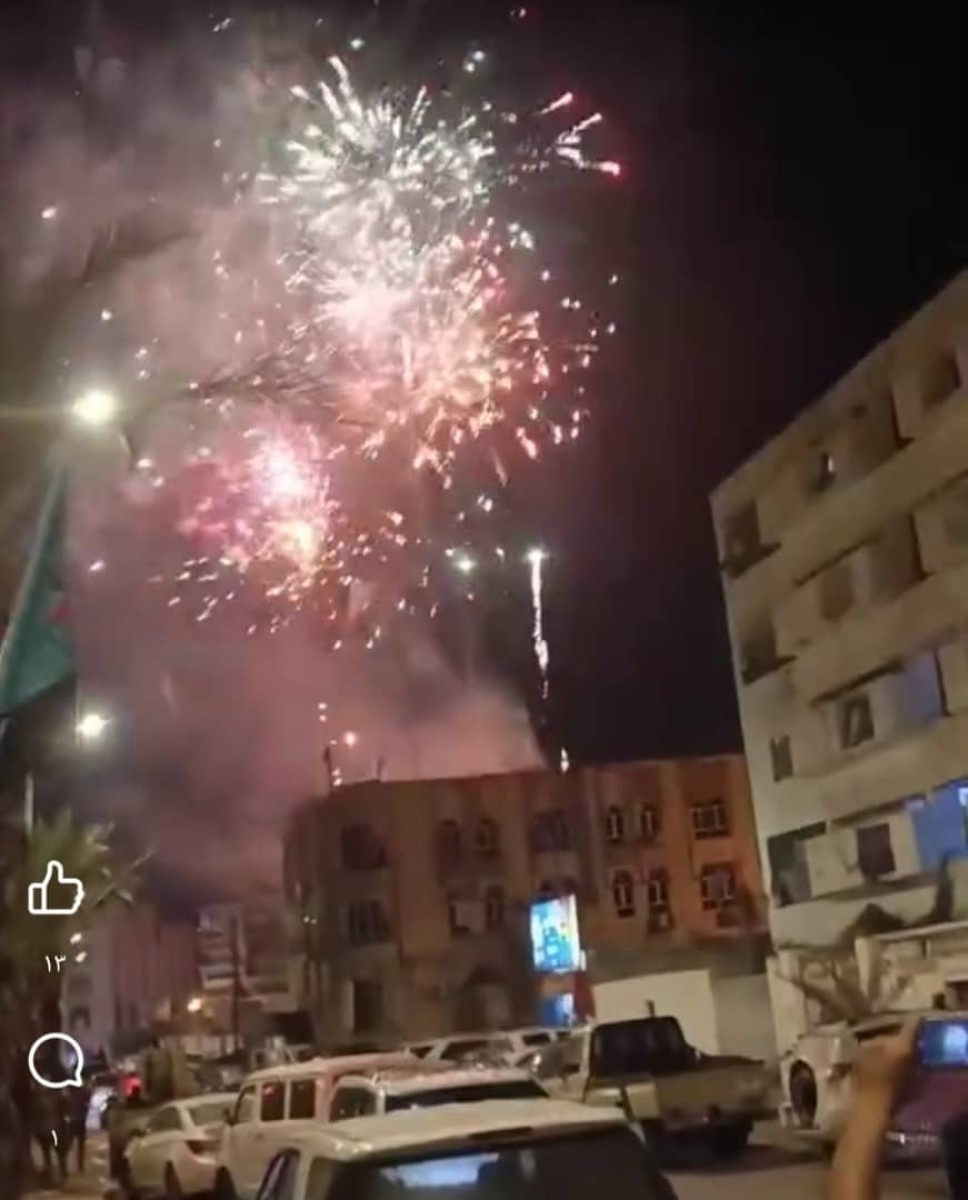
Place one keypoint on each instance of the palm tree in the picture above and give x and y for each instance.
(29, 988)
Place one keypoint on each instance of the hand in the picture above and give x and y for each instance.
(883, 1064)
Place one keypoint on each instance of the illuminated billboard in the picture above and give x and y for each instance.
(555, 942)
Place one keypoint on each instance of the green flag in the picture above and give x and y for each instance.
(37, 651)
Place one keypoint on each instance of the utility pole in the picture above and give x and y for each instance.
(236, 985)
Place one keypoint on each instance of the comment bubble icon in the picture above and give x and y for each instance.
(74, 1080)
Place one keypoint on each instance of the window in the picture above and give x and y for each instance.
(781, 757)
(875, 854)
(789, 872)
(366, 922)
(449, 848)
(650, 823)
(351, 1102)
(821, 473)
(939, 380)
(835, 588)
(457, 915)
(487, 838)
(717, 885)
(166, 1120)
(361, 848)
(494, 908)
(757, 652)
(244, 1107)
(657, 890)
(623, 893)
(367, 998)
(550, 831)
(302, 1099)
(614, 824)
(855, 722)
(742, 542)
(709, 819)
(272, 1106)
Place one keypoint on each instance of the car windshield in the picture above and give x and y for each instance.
(210, 1113)
(511, 1089)
(566, 1168)
(648, 1046)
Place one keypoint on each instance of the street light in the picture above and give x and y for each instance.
(195, 1004)
(95, 407)
(91, 727)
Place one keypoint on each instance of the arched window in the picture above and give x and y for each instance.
(650, 822)
(487, 838)
(623, 893)
(614, 824)
(449, 842)
(494, 908)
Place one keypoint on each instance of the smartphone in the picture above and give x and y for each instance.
(943, 1043)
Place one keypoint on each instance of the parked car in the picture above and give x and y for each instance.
(815, 1073)
(520, 1149)
(818, 1086)
(679, 1096)
(507, 1046)
(390, 1091)
(173, 1153)
(278, 1103)
(932, 1099)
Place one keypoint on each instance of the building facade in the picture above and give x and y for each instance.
(844, 553)
(243, 964)
(410, 900)
(132, 970)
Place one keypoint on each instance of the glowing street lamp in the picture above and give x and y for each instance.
(91, 727)
(95, 407)
(195, 1004)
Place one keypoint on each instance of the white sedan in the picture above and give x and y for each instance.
(517, 1149)
(174, 1155)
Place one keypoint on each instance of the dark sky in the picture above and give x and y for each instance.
(799, 188)
(795, 188)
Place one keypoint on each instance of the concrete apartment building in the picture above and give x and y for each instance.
(410, 899)
(844, 552)
(133, 968)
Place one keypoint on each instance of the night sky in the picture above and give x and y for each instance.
(795, 188)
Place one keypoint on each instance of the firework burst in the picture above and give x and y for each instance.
(417, 342)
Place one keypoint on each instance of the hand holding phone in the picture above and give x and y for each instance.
(943, 1043)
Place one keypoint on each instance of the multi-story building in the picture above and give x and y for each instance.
(844, 553)
(243, 963)
(411, 899)
(133, 969)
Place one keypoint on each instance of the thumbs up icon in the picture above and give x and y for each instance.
(68, 893)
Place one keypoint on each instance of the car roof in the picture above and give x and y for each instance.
(452, 1124)
(357, 1063)
(206, 1098)
(401, 1082)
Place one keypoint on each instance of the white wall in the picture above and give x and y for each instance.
(744, 1016)
(687, 995)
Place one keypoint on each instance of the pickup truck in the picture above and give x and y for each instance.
(675, 1093)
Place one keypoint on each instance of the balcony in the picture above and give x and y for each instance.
(910, 764)
(864, 645)
(848, 516)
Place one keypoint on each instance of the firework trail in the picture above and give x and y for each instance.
(536, 559)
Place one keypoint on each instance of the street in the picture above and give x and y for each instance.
(767, 1172)
(764, 1173)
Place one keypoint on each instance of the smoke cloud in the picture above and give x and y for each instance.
(216, 731)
